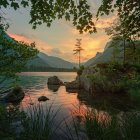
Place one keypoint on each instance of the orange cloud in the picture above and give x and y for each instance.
(103, 23)
(40, 45)
(90, 43)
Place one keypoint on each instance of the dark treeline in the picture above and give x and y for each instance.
(47, 69)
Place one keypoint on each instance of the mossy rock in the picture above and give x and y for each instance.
(14, 95)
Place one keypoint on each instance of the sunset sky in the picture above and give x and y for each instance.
(60, 39)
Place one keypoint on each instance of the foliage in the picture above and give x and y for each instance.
(14, 4)
(40, 123)
(49, 10)
(14, 55)
(79, 12)
(105, 129)
(131, 126)
(119, 32)
(113, 128)
(133, 85)
(37, 123)
(9, 118)
(112, 77)
(128, 12)
(80, 70)
(78, 50)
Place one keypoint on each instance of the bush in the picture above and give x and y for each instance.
(114, 77)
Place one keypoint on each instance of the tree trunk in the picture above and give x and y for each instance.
(79, 60)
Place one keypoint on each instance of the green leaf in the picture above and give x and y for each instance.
(15, 5)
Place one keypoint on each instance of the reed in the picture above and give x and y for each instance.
(39, 123)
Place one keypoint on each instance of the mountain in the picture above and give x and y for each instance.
(44, 62)
(90, 61)
(108, 53)
(37, 61)
(56, 62)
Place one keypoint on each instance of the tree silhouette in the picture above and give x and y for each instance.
(13, 55)
(118, 31)
(78, 11)
(78, 50)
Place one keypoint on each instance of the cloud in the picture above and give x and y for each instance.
(90, 43)
(105, 22)
(62, 52)
(64, 47)
(40, 45)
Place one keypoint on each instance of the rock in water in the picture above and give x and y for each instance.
(54, 81)
(14, 95)
(72, 85)
(43, 98)
(53, 88)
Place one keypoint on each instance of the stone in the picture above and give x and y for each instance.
(54, 80)
(43, 98)
(72, 85)
(13, 95)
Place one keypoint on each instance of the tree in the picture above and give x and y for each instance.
(13, 55)
(46, 11)
(118, 32)
(128, 12)
(79, 12)
(78, 50)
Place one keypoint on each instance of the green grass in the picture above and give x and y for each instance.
(40, 123)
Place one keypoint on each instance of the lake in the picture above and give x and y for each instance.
(70, 105)
(35, 85)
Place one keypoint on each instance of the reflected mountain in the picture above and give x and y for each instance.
(53, 88)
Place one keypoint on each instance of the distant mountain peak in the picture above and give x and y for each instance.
(56, 62)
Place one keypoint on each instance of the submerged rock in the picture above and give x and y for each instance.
(54, 80)
(43, 98)
(13, 95)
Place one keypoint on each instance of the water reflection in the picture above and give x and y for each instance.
(105, 104)
(75, 105)
(111, 103)
(53, 88)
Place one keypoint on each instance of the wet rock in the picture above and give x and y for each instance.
(72, 85)
(13, 95)
(54, 81)
(43, 98)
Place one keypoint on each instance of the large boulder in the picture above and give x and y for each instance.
(74, 85)
(54, 80)
(13, 95)
(85, 82)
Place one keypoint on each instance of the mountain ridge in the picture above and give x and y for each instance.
(44, 61)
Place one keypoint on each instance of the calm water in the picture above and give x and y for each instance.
(35, 85)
